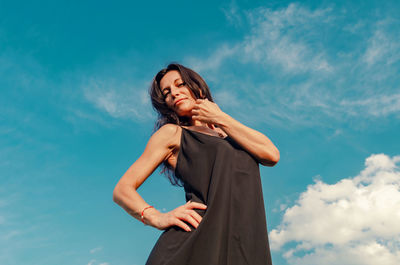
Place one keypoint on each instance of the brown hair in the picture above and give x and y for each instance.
(166, 115)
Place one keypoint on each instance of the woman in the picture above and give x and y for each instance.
(216, 159)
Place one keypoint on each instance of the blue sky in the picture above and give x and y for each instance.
(319, 78)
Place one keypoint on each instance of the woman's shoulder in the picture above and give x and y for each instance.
(169, 133)
(169, 129)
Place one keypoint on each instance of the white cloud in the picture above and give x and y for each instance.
(354, 221)
(285, 66)
(276, 39)
(94, 262)
(354, 28)
(224, 98)
(118, 99)
(93, 250)
(215, 60)
(307, 79)
(233, 15)
(382, 47)
(91, 262)
(378, 106)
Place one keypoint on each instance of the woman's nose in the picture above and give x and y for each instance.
(174, 91)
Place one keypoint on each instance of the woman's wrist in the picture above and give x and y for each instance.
(223, 120)
(150, 216)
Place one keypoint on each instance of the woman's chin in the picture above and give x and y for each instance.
(186, 113)
(183, 110)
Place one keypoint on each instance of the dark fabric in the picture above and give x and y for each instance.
(233, 231)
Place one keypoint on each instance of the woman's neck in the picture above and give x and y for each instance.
(197, 123)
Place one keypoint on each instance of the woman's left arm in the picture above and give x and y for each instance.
(254, 142)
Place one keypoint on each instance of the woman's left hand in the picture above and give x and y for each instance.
(207, 111)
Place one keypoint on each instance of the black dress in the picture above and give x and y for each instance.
(233, 231)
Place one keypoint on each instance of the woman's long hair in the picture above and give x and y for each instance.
(166, 115)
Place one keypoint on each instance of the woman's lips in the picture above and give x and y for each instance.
(176, 103)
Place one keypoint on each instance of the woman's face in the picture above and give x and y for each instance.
(177, 95)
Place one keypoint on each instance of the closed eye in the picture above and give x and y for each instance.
(167, 89)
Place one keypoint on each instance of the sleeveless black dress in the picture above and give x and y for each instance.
(233, 231)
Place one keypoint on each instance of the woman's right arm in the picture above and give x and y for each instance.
(158, 149)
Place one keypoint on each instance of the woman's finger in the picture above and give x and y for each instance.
(188, 218)
(197, 205)
(182, 225)
(196, 216)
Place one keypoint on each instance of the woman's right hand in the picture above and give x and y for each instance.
(178, 215)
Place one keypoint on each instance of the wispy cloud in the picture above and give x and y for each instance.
(291, 69)
(275, 39)
(292, 64)
(115, 91)
(378, 106)
(95, 262)
(282, 37)
(215, 60)
(233, 14)
(91, 262)
(118, 99)
(97, 249)
(354, 221)
(225, 98)
(382, 46)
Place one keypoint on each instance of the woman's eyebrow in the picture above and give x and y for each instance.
(168, 86)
